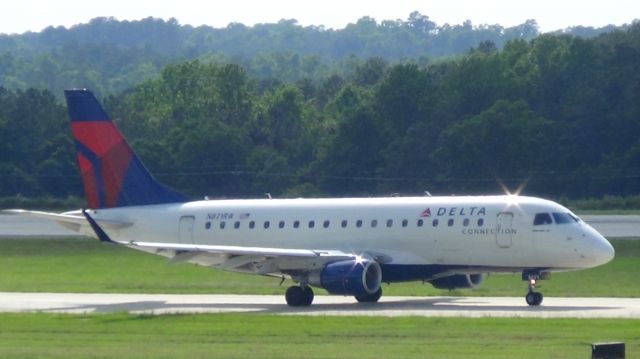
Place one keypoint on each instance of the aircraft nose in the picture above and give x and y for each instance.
(602, 251)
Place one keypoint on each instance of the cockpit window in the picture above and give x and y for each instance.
(541, 219)
(563, 218)
(575, 218)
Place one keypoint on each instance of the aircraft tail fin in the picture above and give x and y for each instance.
(112, 174)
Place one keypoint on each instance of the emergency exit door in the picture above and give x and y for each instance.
(186, 229)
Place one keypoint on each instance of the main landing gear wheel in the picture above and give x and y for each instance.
(370, 298)
(297, 296)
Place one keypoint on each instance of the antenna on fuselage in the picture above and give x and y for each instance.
(268, 195)
(427, 193)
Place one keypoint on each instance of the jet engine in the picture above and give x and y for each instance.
(358, 277)
(459, 281)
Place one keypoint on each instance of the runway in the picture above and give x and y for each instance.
(323, 305)
(615, 226)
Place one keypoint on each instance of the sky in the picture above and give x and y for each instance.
(18, 16)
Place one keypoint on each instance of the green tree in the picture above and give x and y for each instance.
(505, 141)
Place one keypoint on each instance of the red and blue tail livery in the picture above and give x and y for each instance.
(112, 174)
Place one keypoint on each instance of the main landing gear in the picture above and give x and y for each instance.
(302, 296)
(533, 297)
(299, 296)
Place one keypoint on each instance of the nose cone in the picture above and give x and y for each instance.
(599, 250)
(604, 251)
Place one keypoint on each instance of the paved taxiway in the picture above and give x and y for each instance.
(323, 305)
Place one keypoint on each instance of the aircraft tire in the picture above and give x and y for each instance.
(294, 296)
(308, 296)
(539, 298)
(297, 296)
(534, 298)
(370, 298)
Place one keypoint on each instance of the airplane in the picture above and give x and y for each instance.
(347, 246)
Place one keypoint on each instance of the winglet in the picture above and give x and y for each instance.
(96, 228)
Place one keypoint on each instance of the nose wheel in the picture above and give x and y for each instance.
(533, 298)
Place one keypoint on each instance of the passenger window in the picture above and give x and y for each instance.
(374, 223)
(359, 223)
(435, 223)
(326, 224)
(236, 225)
(222, 224)
(252, 224)
(207, 225)
(266, 224)
(312, 224)
(465, 222)
(389, 223)
(296, 224)
(281, 224)
(480, 222)
(450, 222)
(344, 223)
(405, 222)
(420, 223)
(542, 219)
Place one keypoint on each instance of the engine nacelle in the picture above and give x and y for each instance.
(462, 281)
(350, 277)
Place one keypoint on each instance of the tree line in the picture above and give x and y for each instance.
(559, 114)
(111, 56)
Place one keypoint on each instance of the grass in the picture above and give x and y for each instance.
(85, 266)
(263, 336)
(76, 265)
(79, 265)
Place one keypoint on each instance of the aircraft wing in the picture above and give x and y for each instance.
(236, 250)
(256, 260)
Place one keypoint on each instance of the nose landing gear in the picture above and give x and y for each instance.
(533, 297)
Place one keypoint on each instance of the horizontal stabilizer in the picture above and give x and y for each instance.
(73, 218)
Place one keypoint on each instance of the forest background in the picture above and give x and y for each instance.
(376, 108)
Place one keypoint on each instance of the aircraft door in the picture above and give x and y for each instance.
(504, 229)
(186, 229)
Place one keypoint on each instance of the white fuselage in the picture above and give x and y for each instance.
(496, 233)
